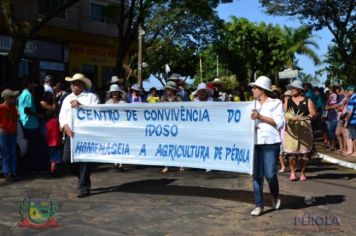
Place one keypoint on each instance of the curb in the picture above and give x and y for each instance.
(337, 161)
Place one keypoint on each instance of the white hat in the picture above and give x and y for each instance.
(80, 77)
(296, 84)
(204, 86)
(136, 87)
(115, 88)
(114, 79)
(262, 82)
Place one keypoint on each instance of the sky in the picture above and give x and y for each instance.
(252, 10)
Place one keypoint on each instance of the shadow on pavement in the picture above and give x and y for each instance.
(163, 187)
(333, 176)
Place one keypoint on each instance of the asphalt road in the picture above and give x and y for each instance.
(143, 201)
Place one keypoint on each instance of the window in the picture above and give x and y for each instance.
(97, 12)
(106, 73)
(90, 71)
(44, 6)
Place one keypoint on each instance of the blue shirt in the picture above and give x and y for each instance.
(25, 100)
(351, 107)
(310, 94)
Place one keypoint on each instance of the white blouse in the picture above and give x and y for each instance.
(268, 134)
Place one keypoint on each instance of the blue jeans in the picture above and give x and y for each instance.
(8, 153)
(331, 125)
(265, 165)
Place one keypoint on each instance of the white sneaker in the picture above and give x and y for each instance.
(276, 203)
(257, 211)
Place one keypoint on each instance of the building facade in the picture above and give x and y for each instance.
(78, 40)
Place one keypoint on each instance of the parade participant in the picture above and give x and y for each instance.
(269, 117)
(120, 83)
(299, 134)
(8, 124)
(203, 93)
(170, 95)
(219, 94)
(286, 96)
(135, 96)
(79, 96)
(115, 94)
(181, 90)
(152, 96)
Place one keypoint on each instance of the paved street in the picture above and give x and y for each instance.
(143, 201)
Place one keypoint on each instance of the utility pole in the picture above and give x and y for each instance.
(201, 70)
(141, 33)
(217, 66)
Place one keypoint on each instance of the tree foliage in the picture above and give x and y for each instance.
(21, 30)
(247, 49)
(338, 16)
(169, 24)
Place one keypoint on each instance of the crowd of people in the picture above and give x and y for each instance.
(287, 122)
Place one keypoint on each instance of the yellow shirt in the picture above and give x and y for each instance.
(237, 99)
(152, 99)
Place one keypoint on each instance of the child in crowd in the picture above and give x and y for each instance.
(53, 141)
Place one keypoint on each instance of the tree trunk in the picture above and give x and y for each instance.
(14, 59)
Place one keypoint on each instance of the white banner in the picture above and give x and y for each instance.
(207, 135)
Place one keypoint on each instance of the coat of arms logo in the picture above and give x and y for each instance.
(38, 213)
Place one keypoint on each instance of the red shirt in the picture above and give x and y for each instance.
(8, 118)
(52, 132)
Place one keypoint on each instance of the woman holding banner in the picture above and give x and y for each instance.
(269, 117)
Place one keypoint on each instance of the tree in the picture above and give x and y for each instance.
(338, 16)
(300, 41)
(247, 48)
(176, 36)
(335, 66)
(308, 78)
(21, 30)
(129, 15)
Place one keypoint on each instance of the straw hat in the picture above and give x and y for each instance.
(80, 77)
(9, 93)
(262, 82)
(171, 85)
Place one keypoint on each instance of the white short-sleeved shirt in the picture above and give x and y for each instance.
(267, 134)
(85, 98)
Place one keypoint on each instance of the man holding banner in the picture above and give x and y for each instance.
(269, 117)
(78, 84)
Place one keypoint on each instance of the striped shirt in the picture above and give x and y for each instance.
(351, 107)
